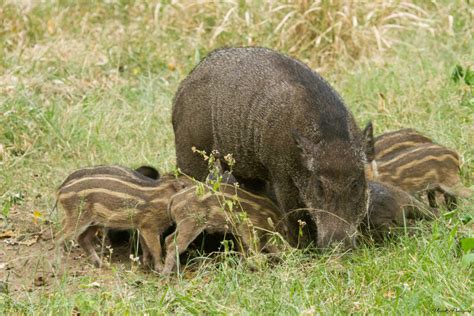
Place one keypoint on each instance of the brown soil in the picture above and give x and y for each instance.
(29, 259)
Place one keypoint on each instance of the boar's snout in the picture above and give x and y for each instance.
(333, 231)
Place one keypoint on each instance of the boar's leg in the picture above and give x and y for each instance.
(85, 241)
(151, 239)
(256, 239)
(193, 127)
(186, 231)
(268, 244)
(432, 198)
(72, 229)
(186, 138)
(249, 239)
(270, 248)
(64, 233)
(451, 201)
(146, 254)
(286, 194)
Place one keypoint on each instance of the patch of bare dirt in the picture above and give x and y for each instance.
(30, 261)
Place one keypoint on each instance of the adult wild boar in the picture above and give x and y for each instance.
(284, 124)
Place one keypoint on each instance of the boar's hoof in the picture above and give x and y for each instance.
(158, 267)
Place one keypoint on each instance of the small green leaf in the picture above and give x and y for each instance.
(229, 204)
(457, 73)
(466, 219)
(452, 234)
(17, 198)
(6, 209)
(449, 215)
(469, 77)
(467, 244)
(468, 259)
(471, 102)
(197, 56)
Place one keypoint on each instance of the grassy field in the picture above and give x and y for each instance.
(86, 82)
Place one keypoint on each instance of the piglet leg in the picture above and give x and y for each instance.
(176, 243)
(146, 254)
(85, 241)
(151, 239)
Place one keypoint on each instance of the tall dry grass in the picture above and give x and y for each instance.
(139, 36)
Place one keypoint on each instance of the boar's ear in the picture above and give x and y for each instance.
(369, 145)
(307, 149)
(148, 172)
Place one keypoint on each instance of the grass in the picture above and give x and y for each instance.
(84, 83)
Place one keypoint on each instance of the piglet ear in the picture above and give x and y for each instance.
(149, 172)
(307, 149)
(369, 144)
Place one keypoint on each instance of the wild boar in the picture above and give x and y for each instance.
(283, 124)
(389, 144)
(252, 219)
(116, 237)
(426, 167)
(119, 202)
(389, 207)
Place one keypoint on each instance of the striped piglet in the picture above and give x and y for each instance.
(252, 219)
(413, 163)
(126, 201)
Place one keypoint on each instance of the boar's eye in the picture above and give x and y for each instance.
(355, 187)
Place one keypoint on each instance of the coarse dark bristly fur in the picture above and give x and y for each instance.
(389, 206)
(283, 123)
(252, 219)
(424, 167)
(119, 202)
